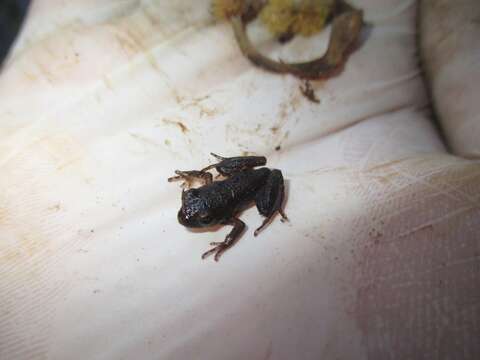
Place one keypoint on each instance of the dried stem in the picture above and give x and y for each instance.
(346, 28)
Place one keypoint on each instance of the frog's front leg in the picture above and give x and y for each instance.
(232, 165)
(232, 237)
(189, 176)
(269, 199)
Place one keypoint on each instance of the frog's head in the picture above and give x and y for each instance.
(195, 211)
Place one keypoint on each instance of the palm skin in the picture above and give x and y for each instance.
(101, 101)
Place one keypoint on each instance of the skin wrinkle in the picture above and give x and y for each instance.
(380, 304)
(448, 49)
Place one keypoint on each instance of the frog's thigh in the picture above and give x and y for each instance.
(229, 166)
(270, 197)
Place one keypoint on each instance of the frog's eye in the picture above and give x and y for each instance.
(206, 219)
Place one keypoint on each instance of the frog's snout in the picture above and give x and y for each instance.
(185, 220)
(181, 218)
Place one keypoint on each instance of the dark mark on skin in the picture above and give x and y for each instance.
(307, 91)
(182, 127)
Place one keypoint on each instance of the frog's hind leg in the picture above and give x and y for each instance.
(213, 166)
(228, 166)
(230, 240)
(218, 157)
(269, 199)
(189, 176)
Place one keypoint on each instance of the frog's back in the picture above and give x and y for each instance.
(238, 188)
(246, 182)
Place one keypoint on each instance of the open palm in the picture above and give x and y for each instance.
(100, 101)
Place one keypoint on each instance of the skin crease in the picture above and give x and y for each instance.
(458, 27)
(380, 259)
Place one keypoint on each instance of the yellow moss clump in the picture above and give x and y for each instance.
(225, 9)
(300, 17)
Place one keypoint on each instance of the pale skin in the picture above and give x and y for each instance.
(382, 243)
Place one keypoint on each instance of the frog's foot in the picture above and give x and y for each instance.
(190, 176)
(231, 165)
(221, 159)
(220, 247)
(268, 220)
(284, 217)
(218, 157)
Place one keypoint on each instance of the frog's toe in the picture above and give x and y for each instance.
(211, 251)
(218, 250)
(173, 178)
(208, 253)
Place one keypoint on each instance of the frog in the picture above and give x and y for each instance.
(244, 180)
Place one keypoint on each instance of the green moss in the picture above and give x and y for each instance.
(302, 17)
(225, 9)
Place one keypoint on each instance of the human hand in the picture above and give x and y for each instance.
(101, 101)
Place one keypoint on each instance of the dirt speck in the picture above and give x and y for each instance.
(204, 111)
(295, 100)
(283, 111)
(247, 153)
(268, 353)
(55, 208)
(107, 82)
(307, 91)
(183, 128)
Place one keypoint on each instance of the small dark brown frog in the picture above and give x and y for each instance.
(220, 202)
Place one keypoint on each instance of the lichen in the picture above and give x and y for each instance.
(302, 17)
(225, 9)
